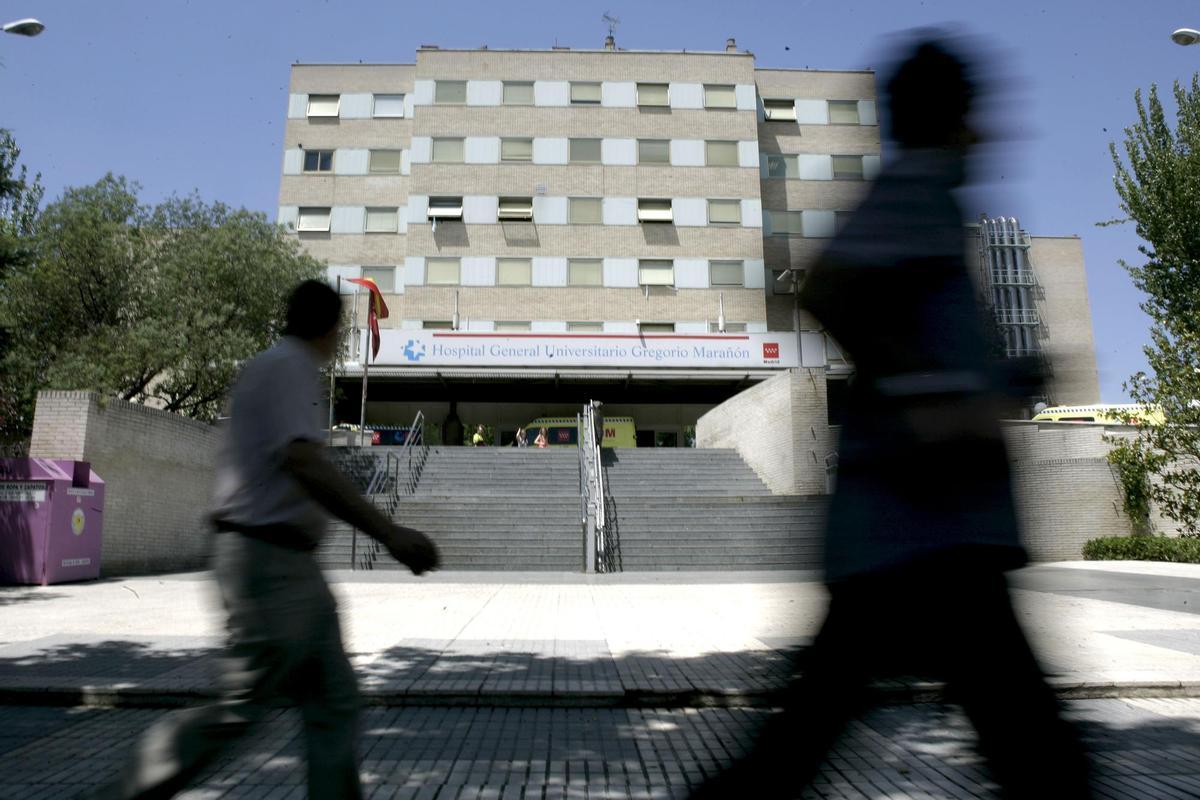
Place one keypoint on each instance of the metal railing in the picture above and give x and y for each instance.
(1016, 316)
(397, 473)
(599, 555)
(585, 491)
(1021, 277)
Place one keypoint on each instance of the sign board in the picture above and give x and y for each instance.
(23, 492)
(552, 350)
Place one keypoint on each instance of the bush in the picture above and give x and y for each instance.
(1143, 548)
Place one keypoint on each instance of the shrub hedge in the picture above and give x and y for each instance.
(1143, 548)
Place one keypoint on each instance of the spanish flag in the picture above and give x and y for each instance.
(376, 310)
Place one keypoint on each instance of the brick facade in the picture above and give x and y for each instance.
(1066, 492)
(780, 428)
(157, 467)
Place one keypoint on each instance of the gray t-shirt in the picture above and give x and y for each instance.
(276, 401)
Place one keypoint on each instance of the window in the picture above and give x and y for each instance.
(516, 208)
(445, 208)
(382, 220)
(656, 327)
(514, 272)
(654, 151)
(313, 219)
(721, 154)
(323, 105)
(656, 272)
(730, 327)
(585, 94)
(724, 212)
(384, 277)
(585, 151)
(847, 168)
(725, 273)
(380, 161)
(780, 110)
(783, 281)
(447, 151)
(585, 211)
(585, 272)
(441, 271)
(389, 105)
(779, 166)
(450, 92)
(318, 160)
(843, 112)
(516, 149)
(585, 327)
(518, 93)
(654, 211)
(653, 95)
(437, 325)
(786, 223)
(511, 327)
(719, 96)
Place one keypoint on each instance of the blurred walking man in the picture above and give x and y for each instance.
(273, 485)
(922, 526)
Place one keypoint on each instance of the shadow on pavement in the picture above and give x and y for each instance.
(12, 595)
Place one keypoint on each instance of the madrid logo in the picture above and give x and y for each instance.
(412, 353)
(770, 351)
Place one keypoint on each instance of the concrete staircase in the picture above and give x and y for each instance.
(487, 509)
(690, 509)
(518, 509)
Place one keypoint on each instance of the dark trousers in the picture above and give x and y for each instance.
(284, 641)
(941, 618)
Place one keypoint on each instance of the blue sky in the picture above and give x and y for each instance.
(185, 94)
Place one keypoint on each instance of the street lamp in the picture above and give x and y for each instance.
(24, 27)
(1185, 36)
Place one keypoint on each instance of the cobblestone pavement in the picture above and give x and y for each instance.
(1140, 748)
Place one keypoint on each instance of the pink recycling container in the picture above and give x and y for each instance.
(51, 515)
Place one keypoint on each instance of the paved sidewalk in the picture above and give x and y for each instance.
(1139, 749)
(633, 640)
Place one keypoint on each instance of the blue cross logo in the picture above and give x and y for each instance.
(412, 353)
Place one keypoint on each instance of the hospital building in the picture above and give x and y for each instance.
(555, 226)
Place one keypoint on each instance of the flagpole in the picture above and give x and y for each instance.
(334, 365)
(362, 415)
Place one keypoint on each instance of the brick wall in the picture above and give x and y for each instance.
(157, 467)
(779, 427)
(1066, 492)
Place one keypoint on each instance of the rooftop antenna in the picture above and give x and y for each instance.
(610, 43)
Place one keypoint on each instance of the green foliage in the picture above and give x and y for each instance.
(19, 199)
(1158, 181)
(151, 304)
(1133, 465)
(1143, 548)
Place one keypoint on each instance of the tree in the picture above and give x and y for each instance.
(19, 200)
(1158, 182)
(153, 305)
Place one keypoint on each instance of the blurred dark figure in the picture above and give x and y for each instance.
(273, 480)
(922, 526)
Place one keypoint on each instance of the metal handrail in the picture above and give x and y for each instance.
(396, 474)
(593, 504)
(601, 502)
(584, 476)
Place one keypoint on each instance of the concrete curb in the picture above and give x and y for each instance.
(885, 693)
